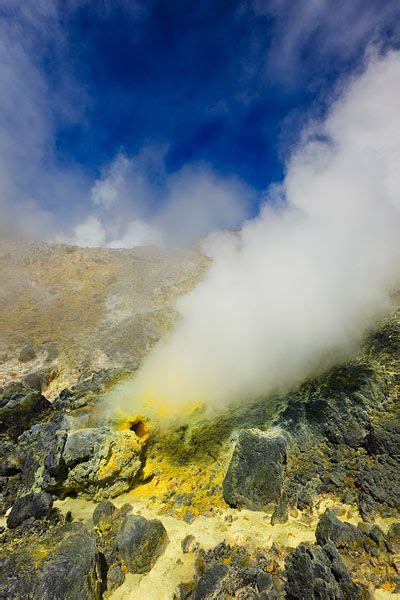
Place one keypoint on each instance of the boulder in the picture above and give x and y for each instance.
(82, 445)
(73, 571)
(107, 520)
(255, 473)
(393, 538)
(141, 542)
(101, 462)
(29, 506)
(20, 406)
(318, 572)
(39, 452)
(103, 512)
(330, 528)
(211, 583)
(384, 438)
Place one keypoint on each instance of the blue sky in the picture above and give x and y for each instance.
(170, 86)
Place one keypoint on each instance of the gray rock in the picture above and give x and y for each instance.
(281, 511)
(187, 543)
(108, 520)
(255, 473)
(211, 582)
(103, 512)
(313, 573)
(102, 463)
(34, 380)
(28, 506)
(141, 542)
(82, 445)
(330, 528)
(19, 408)
(232, 572)
(73, 571)
(384, 438)
(39, 453)
(393, 539)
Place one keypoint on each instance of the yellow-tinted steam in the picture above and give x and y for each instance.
(159, 393)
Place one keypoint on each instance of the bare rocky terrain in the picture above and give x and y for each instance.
(294, 496)
(68, 311)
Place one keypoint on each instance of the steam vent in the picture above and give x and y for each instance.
(199, 300)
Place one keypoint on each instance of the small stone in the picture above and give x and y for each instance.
(103, 512)
(187, 543)
(27, 353)
(189, 517)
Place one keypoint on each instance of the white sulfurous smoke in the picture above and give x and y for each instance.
(297, 288)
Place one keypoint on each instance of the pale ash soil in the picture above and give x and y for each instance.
(78, 310)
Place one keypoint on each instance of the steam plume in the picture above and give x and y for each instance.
(298, 287)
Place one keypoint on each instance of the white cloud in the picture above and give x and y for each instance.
(130, 207)
(324, 31)
(30, 179)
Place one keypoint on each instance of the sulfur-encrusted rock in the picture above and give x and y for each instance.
(255, 473)
(29, 506)
(101, 462)
(141, 542)
(103, 513)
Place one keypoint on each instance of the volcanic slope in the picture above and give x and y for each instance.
(293, 496)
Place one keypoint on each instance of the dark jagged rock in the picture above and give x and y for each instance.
(82, 445)
(334, 407)
(29, 506)
(281, 511)
(50, 559)
(318, 572)
(11, 486)
(141, 542)
(73, 571)
(103, 512)
(393, 539)
(384, 438)
(20, 406)
(187, 543)
(255, 473)
(40, 451)
(107, 520)
(211, 584)
(330, 528)
(233, 572)
(378, 485)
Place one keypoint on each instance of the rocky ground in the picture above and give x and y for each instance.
(67, 311)
(288, 497)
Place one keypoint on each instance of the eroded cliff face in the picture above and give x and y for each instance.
(239, 496)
